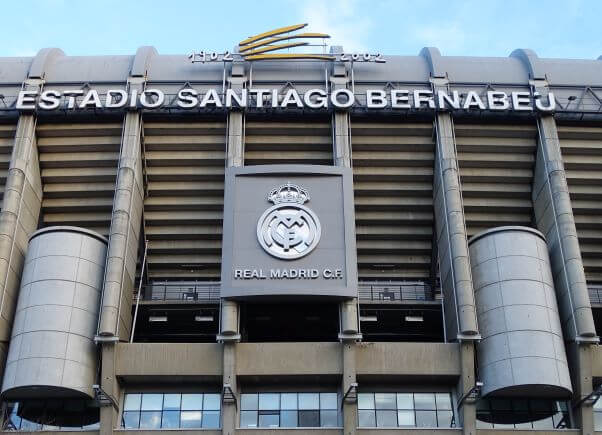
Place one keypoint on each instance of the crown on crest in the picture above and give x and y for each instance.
(288, 193)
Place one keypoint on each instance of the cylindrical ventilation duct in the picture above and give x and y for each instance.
(52, 351)
(522, 350)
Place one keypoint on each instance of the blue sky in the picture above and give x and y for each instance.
(553, 28)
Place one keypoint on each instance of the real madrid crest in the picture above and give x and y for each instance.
(288, 230)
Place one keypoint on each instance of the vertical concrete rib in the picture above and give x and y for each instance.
(554, 218)
(350, 331)
(120, 271)
(452, 247)
(456, 279)
(18, 220)
(229, 332)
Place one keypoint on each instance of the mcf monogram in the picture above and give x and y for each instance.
(288, 230)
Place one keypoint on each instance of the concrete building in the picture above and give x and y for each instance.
(353, 244)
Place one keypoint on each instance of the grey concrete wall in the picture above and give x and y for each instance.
(597, 361)
(122, 255)
(409, 359)
(288, 358)
(296, 431)
(166, 431)
(522, 350)
(52, 351)
(417, 431)
(554, 218)
(168, 359)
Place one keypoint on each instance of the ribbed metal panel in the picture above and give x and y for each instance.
(184, 208)
(305, 142)
(496, 169)
(522, 351)
(52, 351)
(582, 156)
(7, 138)
(78, 163)
(393, 184)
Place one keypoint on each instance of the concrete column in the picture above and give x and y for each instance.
(554, 218)
(18, 220)
(120, 271)
(229, 332)
(350, 331)
(467, 411)
(109, 415)
(230, 409)
(454, 263)
(580, 358)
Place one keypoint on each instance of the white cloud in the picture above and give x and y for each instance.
(341, 19)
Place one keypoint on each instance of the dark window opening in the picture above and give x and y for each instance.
(505, 413)
(51, 414)
(402, 323)
(177, 324)
(286, 322)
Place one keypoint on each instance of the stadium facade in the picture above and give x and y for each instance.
(350, 243)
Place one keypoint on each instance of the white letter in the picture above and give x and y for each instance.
(241, 100)
(321, 99)
(274, 97)
(187, 98)
(91, 99)
(473, 100)
(71, 97)
(211, 97)
(50, 100)
(445, 99)
(291, 97)
(147, 103)
(111, 102)
(519, 99)
(497, 100)
(422, 96)
(551, 102)
(26, 100)
(376, 99)
(400, 99)
(334, 98)
(260, 94)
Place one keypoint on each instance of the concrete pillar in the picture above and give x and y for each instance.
(554, 218)
(350, 331)
(229, 409)
(120, 271)
(109, 415)
(229, 332)
(580, 359)
(454, 263)
(18, 219)
(467, 411)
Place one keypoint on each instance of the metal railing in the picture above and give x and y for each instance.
(395, 291)
(595, 293)
(192, 292)
(209, 291)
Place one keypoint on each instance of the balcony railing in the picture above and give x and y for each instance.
(395, 291)
(209, 292)
(185, 292)
(595, 294)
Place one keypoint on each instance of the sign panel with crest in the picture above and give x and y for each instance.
(289, 230)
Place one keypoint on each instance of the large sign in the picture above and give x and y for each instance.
(319, 99)
(289, 230)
